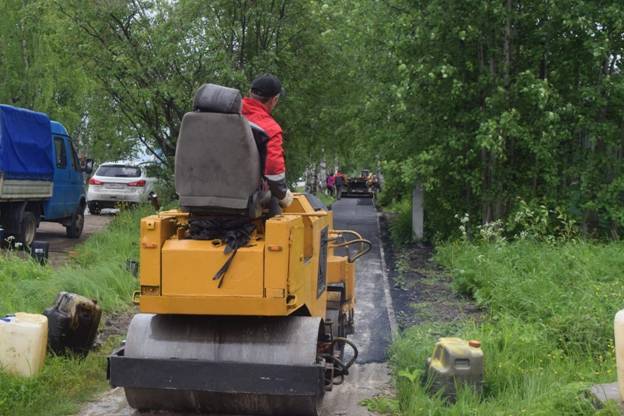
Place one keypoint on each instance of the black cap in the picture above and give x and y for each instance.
(267, 85)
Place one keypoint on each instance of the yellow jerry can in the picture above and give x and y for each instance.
(454, 362)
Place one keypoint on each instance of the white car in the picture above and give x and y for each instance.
(115, 184)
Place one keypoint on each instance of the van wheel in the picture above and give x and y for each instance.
(27, 228)
(74, 229)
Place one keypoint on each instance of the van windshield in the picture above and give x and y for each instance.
(119, 171)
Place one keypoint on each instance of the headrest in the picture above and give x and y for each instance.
(211, 98)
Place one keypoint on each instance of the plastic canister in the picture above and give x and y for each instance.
(618, 327)
(72, 323)
(23, 341)
(455, 361)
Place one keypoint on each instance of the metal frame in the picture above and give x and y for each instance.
(321, 280)
(208, 376)
(365, 245)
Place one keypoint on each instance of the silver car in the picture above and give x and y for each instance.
(115, 184)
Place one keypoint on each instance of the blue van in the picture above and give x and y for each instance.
(41, 178)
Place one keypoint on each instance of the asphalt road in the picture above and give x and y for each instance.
(373, 328)
(374, 319)
(374, 323)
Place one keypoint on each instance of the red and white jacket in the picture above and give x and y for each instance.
(274, 166)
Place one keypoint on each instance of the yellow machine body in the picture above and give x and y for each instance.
(286, 267)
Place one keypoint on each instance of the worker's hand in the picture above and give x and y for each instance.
(287, 200)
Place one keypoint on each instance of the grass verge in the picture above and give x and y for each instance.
(326, 199)
(99, 272)
(400, 222)
(547, 335)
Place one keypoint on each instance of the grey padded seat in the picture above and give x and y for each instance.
(217, 165)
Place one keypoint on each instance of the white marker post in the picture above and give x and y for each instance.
(418, 212)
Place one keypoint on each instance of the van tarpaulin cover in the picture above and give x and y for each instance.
(26, 149)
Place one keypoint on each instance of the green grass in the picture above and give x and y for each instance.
(59, 389)
(401, 222)
(571, 289)
(98, 271)
(547, 337)
(326, 199)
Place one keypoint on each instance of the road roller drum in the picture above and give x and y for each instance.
(246, 365)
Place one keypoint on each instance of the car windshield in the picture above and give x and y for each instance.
(118, 171)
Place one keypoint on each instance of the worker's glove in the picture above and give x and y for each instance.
(287, 200)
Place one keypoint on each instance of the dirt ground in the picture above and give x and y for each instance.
(114, 325)
(421, 290)
(60, 245)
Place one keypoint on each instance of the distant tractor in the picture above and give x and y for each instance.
(362, 186)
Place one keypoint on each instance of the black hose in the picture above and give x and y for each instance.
(337, 383)
(340, 368)
(353, 347)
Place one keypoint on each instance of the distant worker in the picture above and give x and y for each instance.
(330, 182)
(376, 183)
(263, 97)
(339, 183)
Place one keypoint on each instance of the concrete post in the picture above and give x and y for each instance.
(417, 212)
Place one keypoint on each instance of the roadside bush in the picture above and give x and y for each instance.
(395, 183)
(401, 223)
(537, 221)
(528, 221)
(165, 187)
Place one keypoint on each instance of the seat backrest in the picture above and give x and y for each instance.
(217, 165)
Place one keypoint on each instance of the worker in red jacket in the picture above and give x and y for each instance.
(263, 98)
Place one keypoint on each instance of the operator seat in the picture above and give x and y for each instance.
(217, 160)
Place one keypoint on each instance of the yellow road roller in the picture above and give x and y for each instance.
(243, 310)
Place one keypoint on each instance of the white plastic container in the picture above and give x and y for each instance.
(23, 342)
(618, 326)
